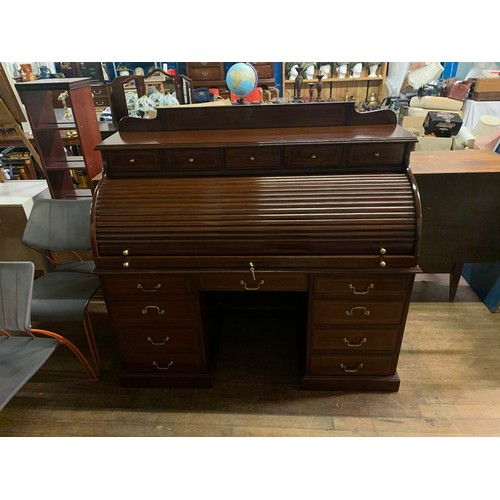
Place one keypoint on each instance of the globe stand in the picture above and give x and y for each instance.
(240, 102)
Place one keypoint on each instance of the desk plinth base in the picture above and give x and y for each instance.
(377, 384)
(177, 380)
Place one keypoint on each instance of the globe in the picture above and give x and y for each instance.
(241, 79)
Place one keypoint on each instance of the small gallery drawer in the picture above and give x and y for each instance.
(375, 154)
(163, 363)
(186, 159)
(147, 285)
(360, 286)
(250, 158)
(313, 156)
(154, 311)
(134, 161)
(175, 339)
(352, 364)
(354, 339)
(351, 312)
(244, 280)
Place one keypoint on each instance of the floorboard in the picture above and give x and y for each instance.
(449, 368)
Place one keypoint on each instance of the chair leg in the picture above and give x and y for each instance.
(92, 374)
(89, 332)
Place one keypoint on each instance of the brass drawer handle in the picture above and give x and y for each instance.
(158, 367)
(158, 310)
(149, 290)
(361, 308)
(249, 288)
(353, 288)
(359, 344)
(154, 342)
(354, 370)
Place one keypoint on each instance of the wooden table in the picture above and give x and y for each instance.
(460, 196)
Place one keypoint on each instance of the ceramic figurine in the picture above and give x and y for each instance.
(356, 70)
(372, 66)
(341, 69)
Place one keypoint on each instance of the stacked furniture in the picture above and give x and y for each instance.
(314, 199)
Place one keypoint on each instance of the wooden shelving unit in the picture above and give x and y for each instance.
(68, 175)
(342, 89)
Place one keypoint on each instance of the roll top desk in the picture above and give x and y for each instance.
(313, 198)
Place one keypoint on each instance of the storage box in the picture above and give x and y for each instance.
(442, 123)
(486, 89)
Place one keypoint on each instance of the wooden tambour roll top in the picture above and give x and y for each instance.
(265, 216)
(311, 198)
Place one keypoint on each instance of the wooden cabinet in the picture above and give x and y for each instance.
(340, 89)
(213, 74)
(52, 126)
(206, 74)
(312, 199)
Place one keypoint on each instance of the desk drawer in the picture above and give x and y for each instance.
(360, 286)
(375, 154)
(253, 158)
(154, 311)
(134, 162)
(329, 338)
(313, 156)
(352, 364)
(356, 312)
(164, 363)
(176, 339)
(148, 285)
(244, 281)
(195, 160)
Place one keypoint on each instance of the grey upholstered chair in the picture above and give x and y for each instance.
(65, 290)
(56, 227)
(22, 351)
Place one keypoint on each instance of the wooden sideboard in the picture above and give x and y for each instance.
(460, 196)
(313, 200)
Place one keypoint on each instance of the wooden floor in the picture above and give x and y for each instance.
(449, 369)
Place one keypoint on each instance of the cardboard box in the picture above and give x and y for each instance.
(486, 89)
(487, 85)
(433, 143)
(442, 123)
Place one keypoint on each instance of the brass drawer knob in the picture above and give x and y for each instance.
(252, 158)
(313, 157)
(131, 160)
(158, 343)
(357, 344)
(166, 367)
(126, 264)
(382, 263)
(383, 251)
(351, 370)
(125, 252)
(190, 160)
(376, 154)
